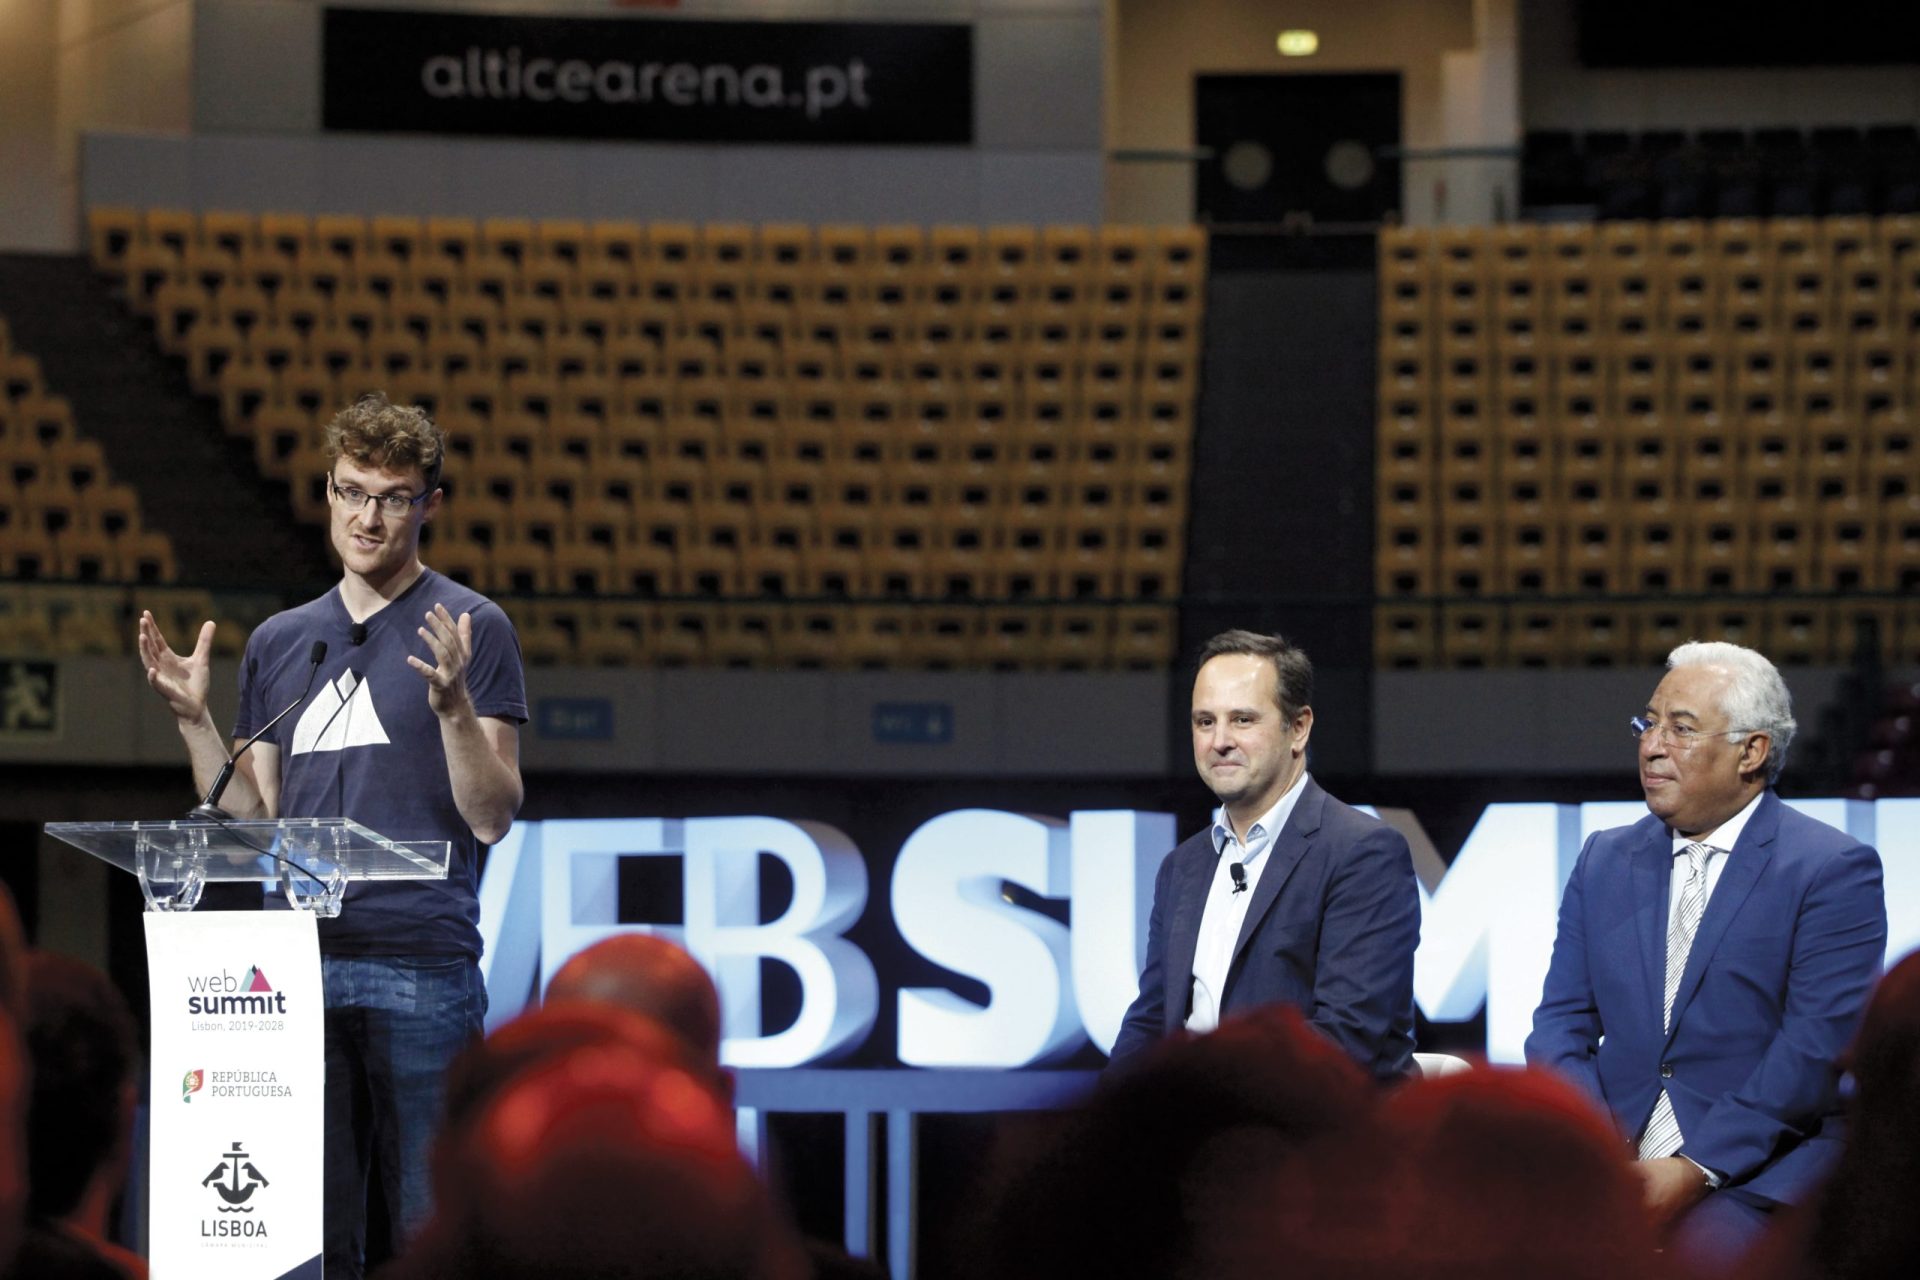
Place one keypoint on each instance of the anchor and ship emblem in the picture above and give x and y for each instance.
(236, 1180)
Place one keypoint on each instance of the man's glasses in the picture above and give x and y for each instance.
(1681, 737)
(392, 504)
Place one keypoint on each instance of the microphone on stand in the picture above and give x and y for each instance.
(1238, 870)
(209, 810)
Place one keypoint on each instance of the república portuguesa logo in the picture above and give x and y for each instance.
(223, 993)
(233, 1084)
(235, 1179)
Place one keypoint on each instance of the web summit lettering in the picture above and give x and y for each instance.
(1052, 987)
(255, 994)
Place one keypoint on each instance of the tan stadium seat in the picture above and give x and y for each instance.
(111, 232)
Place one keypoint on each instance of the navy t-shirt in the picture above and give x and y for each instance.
(366, 745)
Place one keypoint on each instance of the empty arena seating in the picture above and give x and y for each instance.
(1597, 440)
(698, 419)
(62, 515)
(1889, 763)
(1670, 173)
(78, 618)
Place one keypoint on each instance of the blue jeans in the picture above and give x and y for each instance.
(394, 1023)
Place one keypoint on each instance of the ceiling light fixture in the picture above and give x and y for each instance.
(1298, 43)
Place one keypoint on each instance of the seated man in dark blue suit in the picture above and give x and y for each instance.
(1713, 959)
(1289, 897)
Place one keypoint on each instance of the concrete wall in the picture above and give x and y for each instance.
(1161, 47)
(1493, 723)
(1010, 726)
(29, 154)
(1037, 61)
(1059, 82)
(256, 140)
(67, 67)
(718, 723)
(482, 177)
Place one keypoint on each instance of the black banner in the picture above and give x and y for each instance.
(396, 71)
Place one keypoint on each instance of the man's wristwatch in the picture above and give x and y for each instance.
(1707, 1175)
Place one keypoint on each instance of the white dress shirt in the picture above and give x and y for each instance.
(1226, 910)
(1721, 841)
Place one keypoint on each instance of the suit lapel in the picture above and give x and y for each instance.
(1291, 845)
(1745, 863)
(1192, 878)
(1652, 889)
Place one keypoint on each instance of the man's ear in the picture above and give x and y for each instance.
(1302, 730)
(1754, 753)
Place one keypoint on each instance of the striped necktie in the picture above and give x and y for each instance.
(1662, 1136)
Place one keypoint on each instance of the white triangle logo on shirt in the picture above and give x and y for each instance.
(336, 719)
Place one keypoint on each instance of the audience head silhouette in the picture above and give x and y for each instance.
(1137, 1182)
(648, 975)
(604, 1161)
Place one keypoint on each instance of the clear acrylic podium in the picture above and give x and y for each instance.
(312, 859)
(240, 994)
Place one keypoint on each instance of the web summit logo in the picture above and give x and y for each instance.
(222, 993)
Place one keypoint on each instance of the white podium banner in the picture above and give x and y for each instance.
(238, 1099)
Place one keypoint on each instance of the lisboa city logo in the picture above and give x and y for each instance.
(235, 1179)
(224, 993)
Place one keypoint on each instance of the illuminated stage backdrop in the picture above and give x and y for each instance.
(1045, 916)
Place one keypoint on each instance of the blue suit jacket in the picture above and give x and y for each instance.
(1331, 930)
(1775, 984)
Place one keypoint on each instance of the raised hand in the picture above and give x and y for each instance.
(452, 645)
(182, 681)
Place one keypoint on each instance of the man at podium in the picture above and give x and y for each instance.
(411, 730)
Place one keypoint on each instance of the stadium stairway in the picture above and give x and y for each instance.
(230, 527)
(1282, 496)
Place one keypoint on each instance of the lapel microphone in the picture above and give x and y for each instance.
(357, 634)
(1238, 870)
